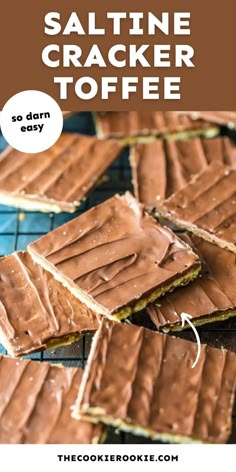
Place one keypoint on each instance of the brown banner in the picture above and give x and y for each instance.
(210, 84)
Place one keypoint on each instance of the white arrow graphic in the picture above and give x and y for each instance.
(186, 317)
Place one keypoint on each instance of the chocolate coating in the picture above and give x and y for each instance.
(132, 124)
(35, 309)
(153, 389)
(115, 254)
(56, 179)
(35, 404)
(227, 118)
(206, 206)
(162, 167)
(208, 298)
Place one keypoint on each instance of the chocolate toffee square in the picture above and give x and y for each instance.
(209, 298)
(135, 126)
(163, 167)
(206, 206)
(143, 382)
(36, 311)
(116, 258)
(35, 404)
(58, 178)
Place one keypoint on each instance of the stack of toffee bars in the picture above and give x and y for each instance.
(116, 259)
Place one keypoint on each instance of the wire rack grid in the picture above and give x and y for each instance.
(18, 228)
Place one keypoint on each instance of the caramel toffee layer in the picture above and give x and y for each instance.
(227, 118)
(115, 258)
(206, 206)
(56, 179)
(162, 167)
(35, 404)
(154, 390)
(36, 311)
(209, 298)
(134, 124)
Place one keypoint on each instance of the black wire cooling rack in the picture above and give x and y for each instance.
(18, 228)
